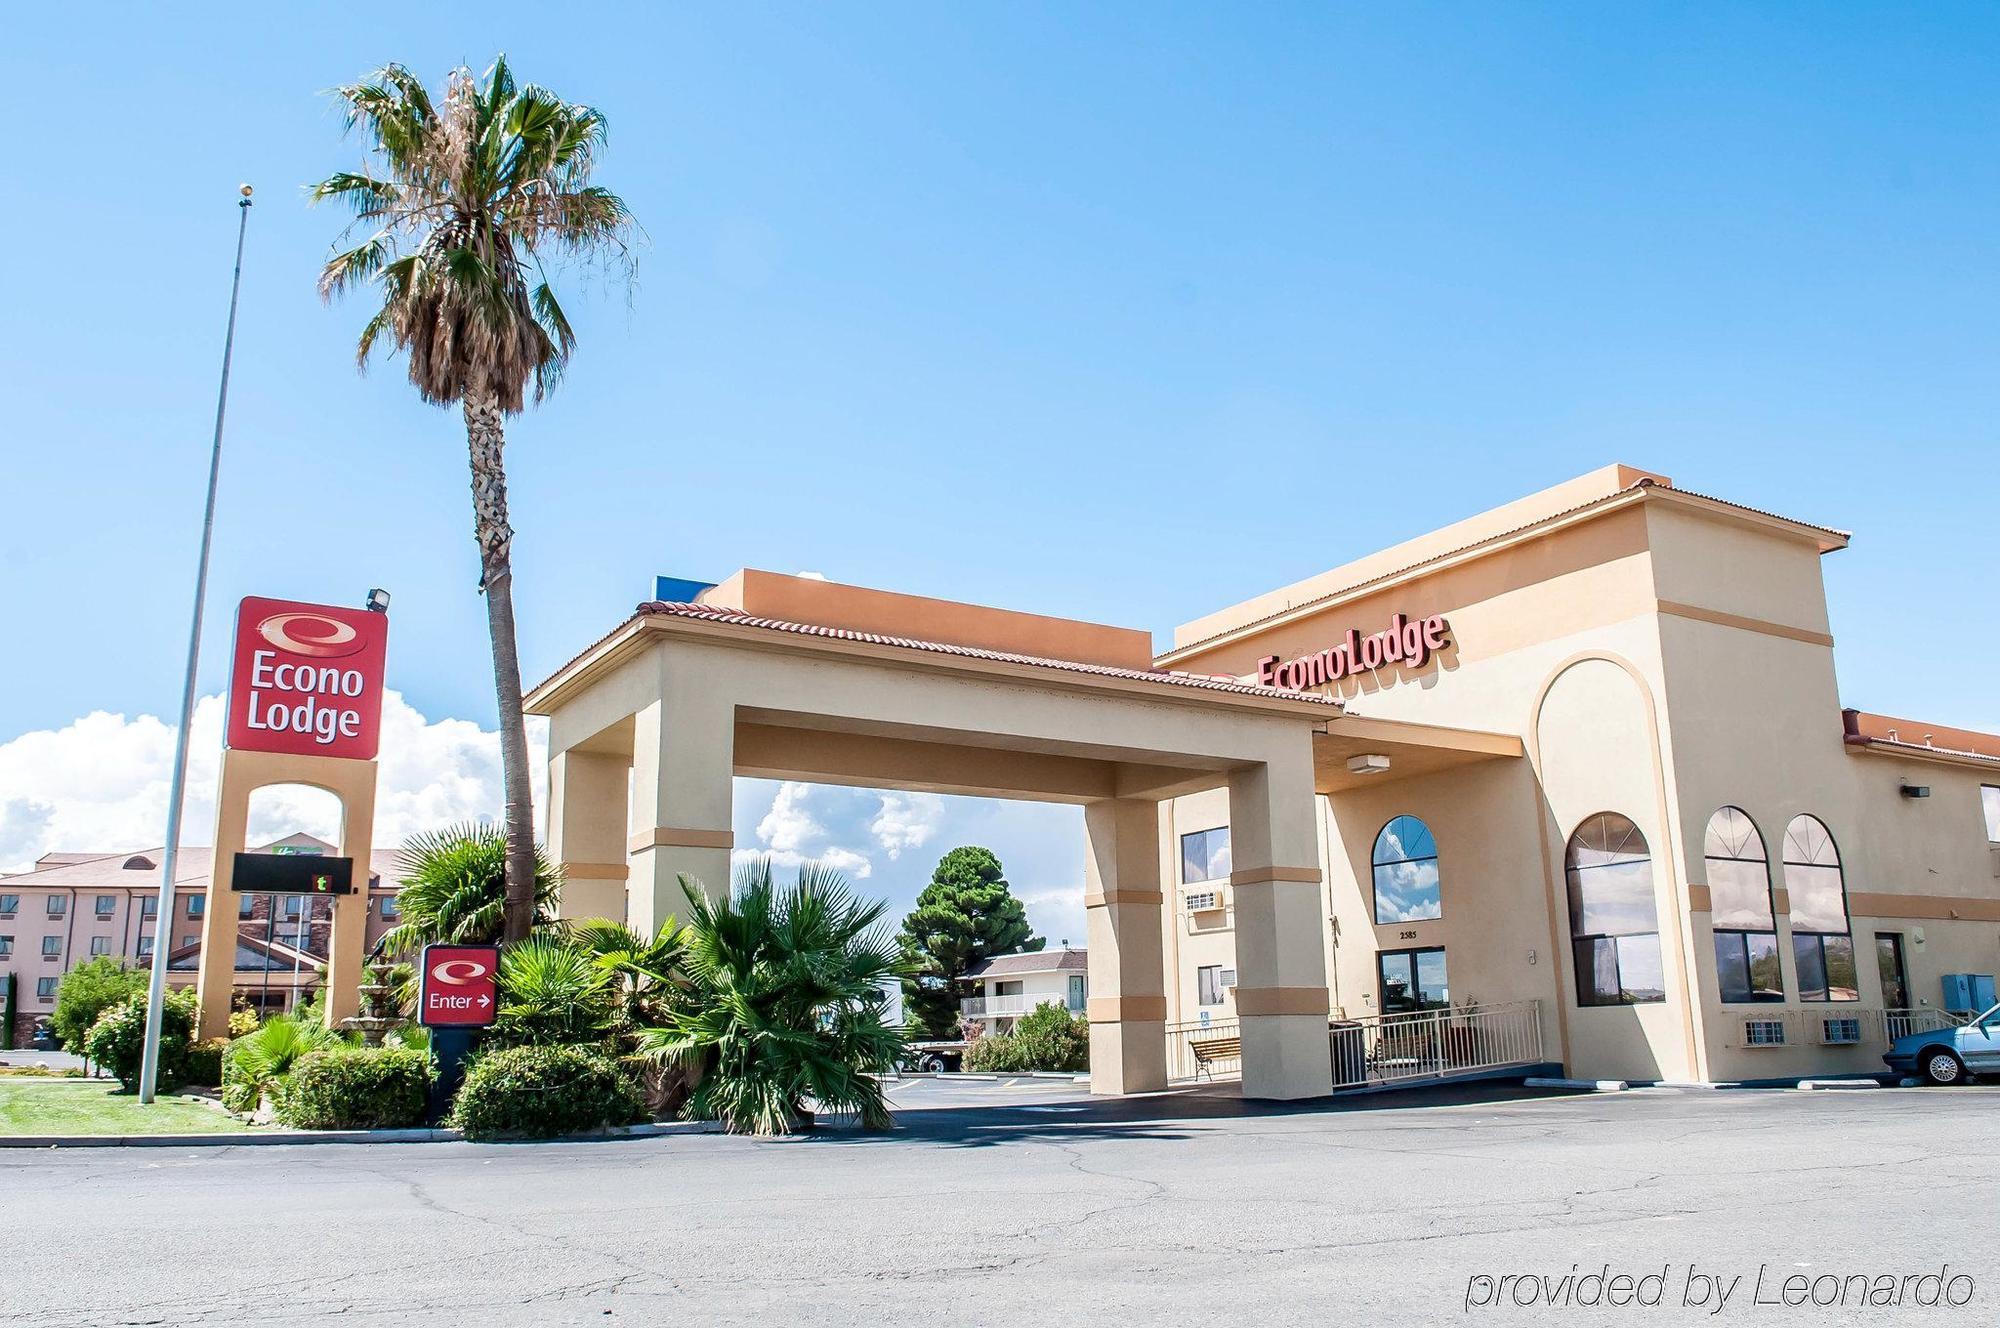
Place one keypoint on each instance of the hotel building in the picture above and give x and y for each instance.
(1568, 783)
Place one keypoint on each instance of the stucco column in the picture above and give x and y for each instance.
(1128, 994)
(347, 948)
(588, 796)
(215, 978)
(683, 759)
(1281, 995)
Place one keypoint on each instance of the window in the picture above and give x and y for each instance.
(1613, 919)
(58, 906)
(1989, 802)
(51, 947)
(1406, 873)
(188, 940)
(9, 905)
(100, 945)
(45, 989)
(1821, 945)
(294, 905)
(197, 905)
(6, 946)
(245, 904)
(392, 908)
(1208, 984)
(145, 947)
(149, 906)
(107, 905)
(1412, 980)
(1205, 856)
(1739, 888)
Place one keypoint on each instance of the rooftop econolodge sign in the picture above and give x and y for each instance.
(1407, 643)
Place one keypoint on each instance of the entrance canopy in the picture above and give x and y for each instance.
(792, 678)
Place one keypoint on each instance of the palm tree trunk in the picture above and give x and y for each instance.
(486, 438)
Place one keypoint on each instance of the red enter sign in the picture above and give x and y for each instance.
(458, 989)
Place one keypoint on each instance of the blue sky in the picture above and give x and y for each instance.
(1124, 314)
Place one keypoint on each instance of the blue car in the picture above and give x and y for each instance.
(1949, 1055)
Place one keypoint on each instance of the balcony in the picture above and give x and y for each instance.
(1010, 1007)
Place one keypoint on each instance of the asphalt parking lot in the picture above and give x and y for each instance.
(1026, 1200)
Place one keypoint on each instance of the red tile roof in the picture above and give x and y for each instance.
(1916, 738)
(1199, 682)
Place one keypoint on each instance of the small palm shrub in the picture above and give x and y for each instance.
(454, 888)
(356, 1088)
(256, 1065)
(780, 1016)
(553, 993)
(541, 1092)
(117, 1040)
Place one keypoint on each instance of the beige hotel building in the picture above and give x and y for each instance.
(1567, 783)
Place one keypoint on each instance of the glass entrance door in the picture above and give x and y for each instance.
(1412, 980)
(1895, 980)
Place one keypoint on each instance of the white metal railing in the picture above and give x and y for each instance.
(1902, 1023)
(1433, 1044)
(1377, 1049)
(1215, 1060)
(1006, 1007)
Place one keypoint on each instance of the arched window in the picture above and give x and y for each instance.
(1739, 889)
(1406, 873)
(1613, 919)
(1821, 944)
(140, 862)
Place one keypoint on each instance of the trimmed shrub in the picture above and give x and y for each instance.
(1050, 1038)
(542, 1092)
(87, 991)
(996, 1053)
(117, 1040)
(204, 1063)
(356, 1088)
(1046, 1038)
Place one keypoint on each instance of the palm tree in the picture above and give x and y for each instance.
(464, 201)
(453, 889)
(781, 1010)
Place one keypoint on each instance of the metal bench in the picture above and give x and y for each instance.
(1209, 1050)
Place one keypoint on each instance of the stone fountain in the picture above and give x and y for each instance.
(376, 994)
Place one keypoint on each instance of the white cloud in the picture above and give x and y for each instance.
(793, 832)
(906, 820)
(101, 783)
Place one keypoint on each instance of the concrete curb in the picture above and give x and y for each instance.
(1581, 1085)
(420, 1135)
(1811, 1085)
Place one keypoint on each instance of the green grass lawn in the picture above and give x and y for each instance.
(94, 1106)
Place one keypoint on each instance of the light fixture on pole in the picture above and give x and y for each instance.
(156, 991)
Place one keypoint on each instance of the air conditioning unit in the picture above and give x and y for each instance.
(1840, 1032)
(1763, 1032)
(1228, 977)
(1203, 901)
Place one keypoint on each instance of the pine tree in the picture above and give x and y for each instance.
(967, 913)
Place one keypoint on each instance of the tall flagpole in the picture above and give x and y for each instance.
(149, 1069)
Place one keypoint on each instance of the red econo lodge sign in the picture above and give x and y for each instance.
(307, 679)
(458, 988)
